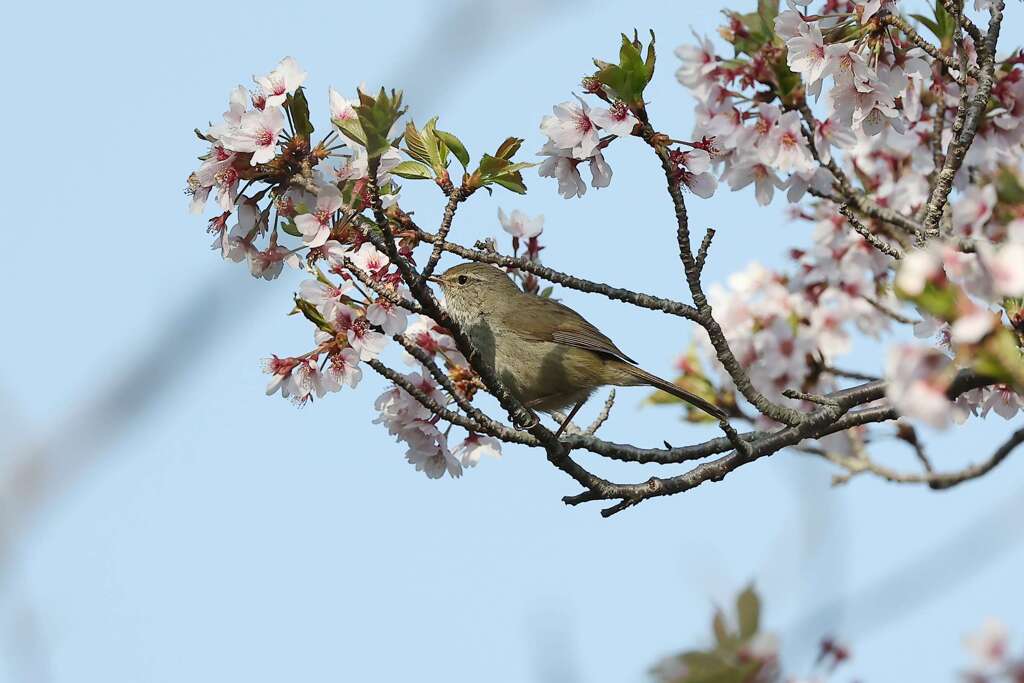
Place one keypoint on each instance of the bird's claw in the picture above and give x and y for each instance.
(530, 424)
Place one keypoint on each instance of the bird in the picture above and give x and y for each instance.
(546, 354)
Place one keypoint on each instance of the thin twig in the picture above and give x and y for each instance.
(897, 21)
(872, 239)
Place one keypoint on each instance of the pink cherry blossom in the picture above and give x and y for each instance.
(698, 64)
(322, 295)
(916, 384)
(749, 169)
(342, 370)
(917, 269)
(789, 24)
(571, 128)
(316, 227)
(368, 259)
(560, 164)
(474, 447)
(829, 133)
(428, 451)
(257, 133)
(518, 224)
(616, 120)
(286, 77)
(389, 317)
(365, 341)
(792, 152)
(1005, 268)
(989, 643)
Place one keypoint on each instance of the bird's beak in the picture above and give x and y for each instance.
(436, 280)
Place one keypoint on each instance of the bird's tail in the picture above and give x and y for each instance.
(674, 389)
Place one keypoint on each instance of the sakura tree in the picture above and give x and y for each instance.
(898, 136)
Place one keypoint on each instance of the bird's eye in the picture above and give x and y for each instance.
(463, 279)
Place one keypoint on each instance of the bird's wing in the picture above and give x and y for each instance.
(547, 320)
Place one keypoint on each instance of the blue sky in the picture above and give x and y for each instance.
(205, 532)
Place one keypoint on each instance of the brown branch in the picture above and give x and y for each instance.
(898, 22)
(380, 290)
(968, 117)
(872, 239)
(705, 318)
(447, 218)
(638, 299)
(849, 194)
(955, 7)
(935, 480)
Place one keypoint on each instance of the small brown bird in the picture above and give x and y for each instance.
(545, 353)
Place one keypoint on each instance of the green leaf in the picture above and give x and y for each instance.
(513, 182)
(546, 292)
(455, 145)
(649, 62)
(414, 144)
(508, 148)
(436, 149)
(929, 24)
(289, 227)
(748, 611)
(352, 129)
(312, 315)
(412, 170)
(1008, 187)
(630, 76)
(377, 115)
(299, 108)
(768, 10)
(719, 627)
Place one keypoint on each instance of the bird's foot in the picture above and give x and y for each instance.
(530, 424)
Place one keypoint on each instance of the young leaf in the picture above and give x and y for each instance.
(312, 315)
(414, 144)
(299, 108)
(376, 116)
(748, 611)
(508, 148)
(412, 170)
(352, 130)
(289, 227)
(455, 145)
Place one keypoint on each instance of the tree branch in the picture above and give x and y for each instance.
(706, 319)
(638, 299)
(968, 117)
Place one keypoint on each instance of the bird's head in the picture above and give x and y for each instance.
(471, 290)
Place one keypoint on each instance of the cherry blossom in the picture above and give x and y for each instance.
(616, 120)
(368, 259)
(323, 295)
(916, 384)
(342, 370)
(518, 224)
(560, 164)
(787, 139)
(257, 133)
(698, 64)
(286, 77)
(750, 169)
(571, 128)
(474, 447)
(989, 643)
(316, 226)
(389, 317)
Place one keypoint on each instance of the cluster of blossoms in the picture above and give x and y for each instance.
(314, 196)
(812, 100)
(574, 136)
(989, 647)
